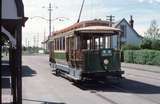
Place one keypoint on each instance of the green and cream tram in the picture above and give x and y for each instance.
(83, 52)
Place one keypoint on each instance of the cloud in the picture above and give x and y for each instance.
(150, 1)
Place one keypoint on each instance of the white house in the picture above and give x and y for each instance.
(129, 34)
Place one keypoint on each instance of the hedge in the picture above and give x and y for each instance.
(150, 57)
(60, 55)
(130, 47)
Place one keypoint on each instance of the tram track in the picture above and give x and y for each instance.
(95, 92)
(116, 87)
(106, 98)
(141, 96)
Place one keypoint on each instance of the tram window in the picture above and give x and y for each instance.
(55, 44)
(96, 43)
(63, 43)
(60, 43)
(88, 44)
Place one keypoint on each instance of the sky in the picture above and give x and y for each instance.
(143, 11)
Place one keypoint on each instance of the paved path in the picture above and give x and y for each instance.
(149, 68)
(42, 87)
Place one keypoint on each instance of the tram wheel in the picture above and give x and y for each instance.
(57, 72)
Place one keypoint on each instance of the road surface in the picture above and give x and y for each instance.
(40, 86)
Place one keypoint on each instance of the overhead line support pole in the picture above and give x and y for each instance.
(110, 19)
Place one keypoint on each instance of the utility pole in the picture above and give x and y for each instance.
(50, 20)
(34, 41)
(26, 42)
(110, 18)
(44, 40)
(38, 40)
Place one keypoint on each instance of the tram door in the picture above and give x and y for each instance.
(69, 47)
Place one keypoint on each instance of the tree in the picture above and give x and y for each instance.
(153, 31)
(152, 39)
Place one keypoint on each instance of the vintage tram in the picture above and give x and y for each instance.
(83, 51)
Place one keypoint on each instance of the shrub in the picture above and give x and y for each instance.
(155, 44)
(156, 60)
(128, 47)
(128, 56)
(146, 43)
(151, 57)
(149, 43)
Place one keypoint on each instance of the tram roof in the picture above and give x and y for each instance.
(99, 29)
(83, 24)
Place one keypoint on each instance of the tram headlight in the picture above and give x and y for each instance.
(106, 61)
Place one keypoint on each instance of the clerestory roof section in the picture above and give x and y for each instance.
(99, 29)
(83, 24)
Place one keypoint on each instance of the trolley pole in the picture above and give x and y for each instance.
(80, 11)
(110, 19)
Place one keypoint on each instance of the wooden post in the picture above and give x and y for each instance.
(0, 55)
(12, 58)
(0, 71)
(19, 63)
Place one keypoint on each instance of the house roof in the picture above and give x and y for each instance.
(119, 22)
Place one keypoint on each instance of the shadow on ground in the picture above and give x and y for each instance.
(42, 102)
(5, 75)
(28, 72)
(5, 70)
(6, 83)
(125, 85)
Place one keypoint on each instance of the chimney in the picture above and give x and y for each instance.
(131, 21)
